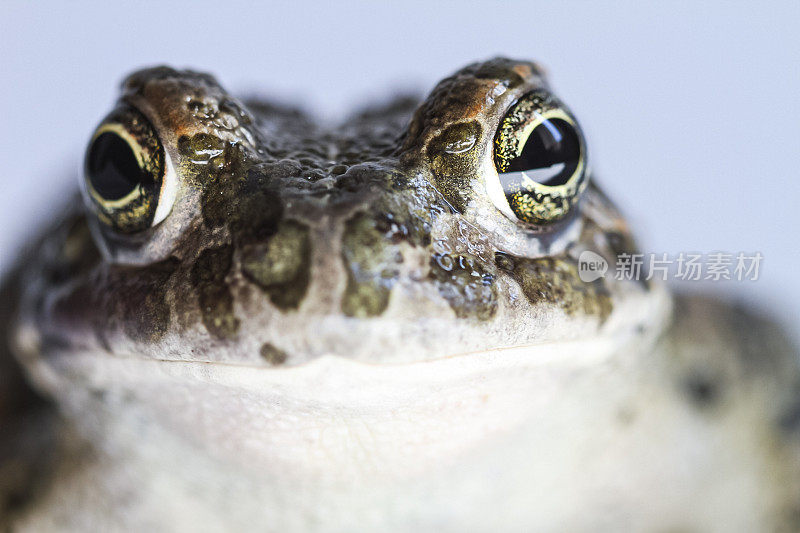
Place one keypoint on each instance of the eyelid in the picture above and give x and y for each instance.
(168, 192)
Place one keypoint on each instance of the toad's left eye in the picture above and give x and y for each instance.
(540, 159)
(128, 178)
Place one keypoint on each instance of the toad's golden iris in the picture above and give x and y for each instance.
(540, 158)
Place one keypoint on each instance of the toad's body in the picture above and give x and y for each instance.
(304, 329)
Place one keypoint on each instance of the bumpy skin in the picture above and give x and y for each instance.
(295, 254)
(282, 225)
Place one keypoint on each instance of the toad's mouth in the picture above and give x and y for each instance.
(61, 366)
(93, 371)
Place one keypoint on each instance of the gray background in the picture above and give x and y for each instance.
(692, 112)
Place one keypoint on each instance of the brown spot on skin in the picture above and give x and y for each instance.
(505, 71)
(703, 390)
(525, 70)
(273, 355)
(281, 265)
(555, 280)
(170, 94)
(214, 295)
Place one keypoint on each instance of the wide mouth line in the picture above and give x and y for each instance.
(536, 346)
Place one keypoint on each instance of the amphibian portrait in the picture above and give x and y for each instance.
(246, 320)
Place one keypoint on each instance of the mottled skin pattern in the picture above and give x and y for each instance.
(284, 221)
(291, 244)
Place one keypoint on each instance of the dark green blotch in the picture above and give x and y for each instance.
(222, 177)
(280, 266)
(456, 139)
(466, 284)
(504, 261)
(555, 280)
(213, 164)
(272, 355)
(235, 191)
(370, 258)
(214, 296)
(203, 149)
(256, 210)
(454, 160)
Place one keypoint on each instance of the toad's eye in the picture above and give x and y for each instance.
(128, 179)
(540, 159)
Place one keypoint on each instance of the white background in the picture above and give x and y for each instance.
(692, 112)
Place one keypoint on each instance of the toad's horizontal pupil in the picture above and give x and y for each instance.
(551, 153)
(112, 167)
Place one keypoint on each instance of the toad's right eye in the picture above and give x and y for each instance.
(127, 174)
(540, 159)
